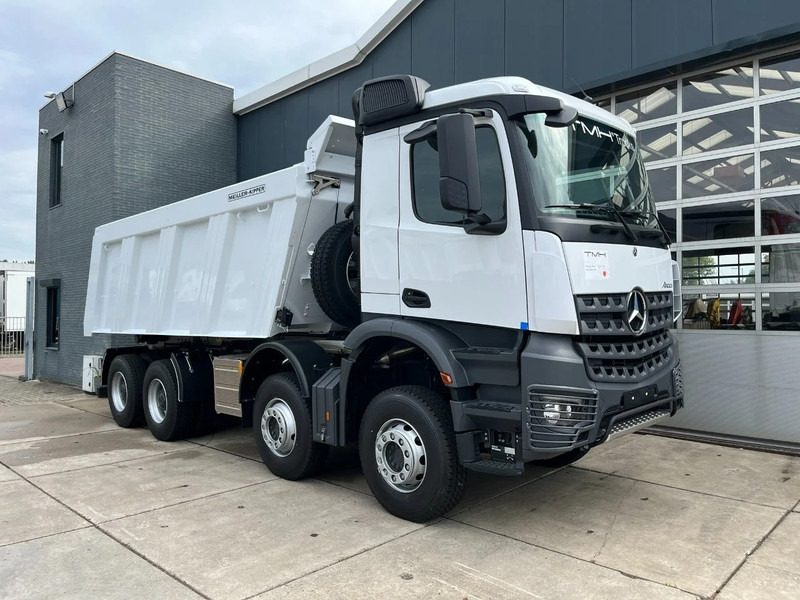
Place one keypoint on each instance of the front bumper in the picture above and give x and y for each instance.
(558, 418)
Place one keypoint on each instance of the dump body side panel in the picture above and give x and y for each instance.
(213, 267)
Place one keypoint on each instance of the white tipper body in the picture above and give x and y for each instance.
(223, 263)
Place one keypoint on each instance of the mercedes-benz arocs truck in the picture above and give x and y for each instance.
(472, 277)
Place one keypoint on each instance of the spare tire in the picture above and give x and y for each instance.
(334, 275)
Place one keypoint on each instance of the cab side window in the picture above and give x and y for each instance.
(425, 173)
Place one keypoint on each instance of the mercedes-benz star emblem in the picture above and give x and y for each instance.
(637, 312)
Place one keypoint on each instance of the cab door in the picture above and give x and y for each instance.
(445, 272)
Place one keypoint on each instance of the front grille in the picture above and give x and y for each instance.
(606, 314)
(677, 381)
(578, 415)
(610, 349)
(627, 360)
(659, 310)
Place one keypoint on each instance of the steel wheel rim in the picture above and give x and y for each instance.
(119, 391)
(279, 428)
(400, 456)
(157, 401)
(353, 276)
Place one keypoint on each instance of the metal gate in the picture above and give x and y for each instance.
(12, 336)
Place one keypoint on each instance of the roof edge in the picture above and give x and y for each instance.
(143, 60)
(331, 65)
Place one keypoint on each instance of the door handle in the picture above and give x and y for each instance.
(416, 299)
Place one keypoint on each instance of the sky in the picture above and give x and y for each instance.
(45, 45)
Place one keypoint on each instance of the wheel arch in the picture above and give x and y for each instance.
(437, 343)
(367, 343)
(305, 358)
(111, 353)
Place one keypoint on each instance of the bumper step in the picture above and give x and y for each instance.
(495, 467)
(637, 422)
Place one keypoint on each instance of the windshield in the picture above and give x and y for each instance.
(586, 170)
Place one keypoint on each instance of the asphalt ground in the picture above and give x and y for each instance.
(90, 510)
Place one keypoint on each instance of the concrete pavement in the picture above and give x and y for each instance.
(12, 366)
(89, 510)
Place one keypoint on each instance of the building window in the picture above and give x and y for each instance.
(722, 152)
(56, 168)
(53, 329)
(427, 201)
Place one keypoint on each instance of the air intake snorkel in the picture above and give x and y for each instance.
(377, 101)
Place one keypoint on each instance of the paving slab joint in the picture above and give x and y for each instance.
(748, 554)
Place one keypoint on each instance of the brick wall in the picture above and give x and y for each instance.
(138, 136)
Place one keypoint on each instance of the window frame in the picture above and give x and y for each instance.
(53, 302)
(759, 239)
(479, 125)
(56, 170)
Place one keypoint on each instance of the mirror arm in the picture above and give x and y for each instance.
(422, 133)
(477, 112)
(488, 228)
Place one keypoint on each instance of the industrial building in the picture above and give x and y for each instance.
(712, 86)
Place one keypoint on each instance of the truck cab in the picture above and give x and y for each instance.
(512, 227)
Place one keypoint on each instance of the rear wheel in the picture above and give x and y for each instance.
(166, 418)
(125, 378)
(335, 275)
(283, 430)
(408, 453)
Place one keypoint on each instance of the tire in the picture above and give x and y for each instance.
(334, 278)
(166, 418)
(125, 380)
(418, 419)
(282, 429)
(563, 460)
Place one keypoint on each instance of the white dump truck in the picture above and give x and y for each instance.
(472, 277)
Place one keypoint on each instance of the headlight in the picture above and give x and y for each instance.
(555, 413)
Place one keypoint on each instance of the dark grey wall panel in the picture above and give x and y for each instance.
(248, 145)
(323, 100)
(535, 40)
(139, 136)
(166, 128)
(597, 40)
(393, 55)
(295, 127)
(734, 19)
(561, 44)
(269, 125)
(674, 28)
(479, 39)
(433, 42)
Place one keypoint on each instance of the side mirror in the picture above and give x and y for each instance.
(459, 181)
(563, 118)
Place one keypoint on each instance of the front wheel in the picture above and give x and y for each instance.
(408, 453)
(283, 429)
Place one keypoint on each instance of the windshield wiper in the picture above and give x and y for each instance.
(644, 214)
(606, 208)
